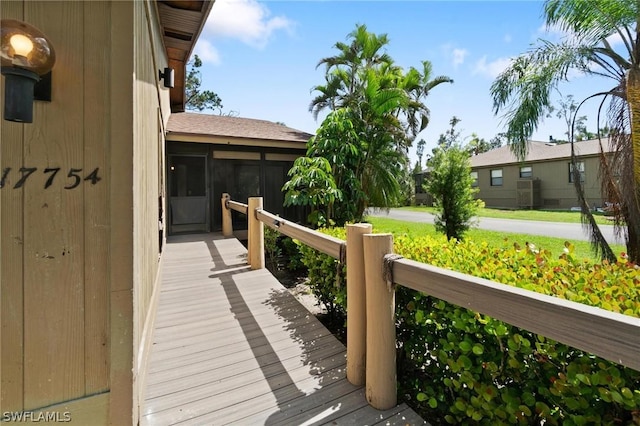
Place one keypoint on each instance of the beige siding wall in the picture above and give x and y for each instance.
(555, 183)
(78, 264)
(498, 196)
(556, 192)
(151, 112)
(120, 207)
(54, 254)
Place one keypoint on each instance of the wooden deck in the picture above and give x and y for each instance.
(232, 346)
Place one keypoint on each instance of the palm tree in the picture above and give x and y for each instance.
(385, 110)
(418, 85)
(381, 161)
(344, 71)
(359, 144)
(347, 73)
(524, 89)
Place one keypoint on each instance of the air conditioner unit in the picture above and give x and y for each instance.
(528, 193)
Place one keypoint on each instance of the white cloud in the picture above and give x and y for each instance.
(207, 52)
(455, 54)
(458, 56)
(245, 20)
(546, 29)
(491, 69)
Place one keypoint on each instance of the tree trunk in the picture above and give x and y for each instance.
(633, 249)
(631, 208)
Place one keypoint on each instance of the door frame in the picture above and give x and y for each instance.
(198, 227)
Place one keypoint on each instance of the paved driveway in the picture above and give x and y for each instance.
(569, 231)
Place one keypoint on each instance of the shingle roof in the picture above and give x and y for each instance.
(236, 127)
(539, 151)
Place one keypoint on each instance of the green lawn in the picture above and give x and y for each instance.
(493, 238)
(541, 215)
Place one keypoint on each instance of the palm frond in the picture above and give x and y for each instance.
(525, 87)
(591, 20)
(435, 82)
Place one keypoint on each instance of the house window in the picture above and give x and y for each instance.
(580, 166)
(496, 177)
(474, 177)
(526, 172)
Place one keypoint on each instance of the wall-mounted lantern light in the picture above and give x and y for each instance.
(167, 77)
(26, 54)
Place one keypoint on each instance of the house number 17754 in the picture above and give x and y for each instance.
(73, 179)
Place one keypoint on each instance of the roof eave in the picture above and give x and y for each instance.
(181, 22)
(173, 136)
(540, 160)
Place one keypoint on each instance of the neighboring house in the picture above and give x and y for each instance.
(80, 223)
(208, 155)
(542, 180)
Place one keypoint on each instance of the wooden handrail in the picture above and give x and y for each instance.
(239, 207)
(610, 335)
(327, 244)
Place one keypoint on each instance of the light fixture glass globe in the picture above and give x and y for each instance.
(24, 46)
(21, 45)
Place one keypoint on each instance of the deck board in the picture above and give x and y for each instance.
(232, 346)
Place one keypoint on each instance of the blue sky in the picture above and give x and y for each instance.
(261, 57)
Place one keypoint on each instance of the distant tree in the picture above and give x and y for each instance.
(478, 145)
(420, 151)
(450, 185)
(417, 168)
(407, 185)
(197, 99)
(498, 140)
(566, 110)
(449, 138)
(582, 134)
(605, 132)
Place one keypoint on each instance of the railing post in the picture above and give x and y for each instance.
(227, 225)
(256, 234)
(356, 304)
(381, 331)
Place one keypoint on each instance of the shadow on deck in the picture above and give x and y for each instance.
(233, 346)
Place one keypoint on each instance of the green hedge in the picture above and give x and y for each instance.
(321, 271)
(457, 366)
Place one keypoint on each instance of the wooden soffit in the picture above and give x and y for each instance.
(181, 23)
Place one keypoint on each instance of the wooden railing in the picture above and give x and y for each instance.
(327, 244)
(373, 271)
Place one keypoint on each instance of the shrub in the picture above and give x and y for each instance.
(322, 270)
(292, 254)
(450, 184)
(457, 366)
(312, 184)
(272, 249)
